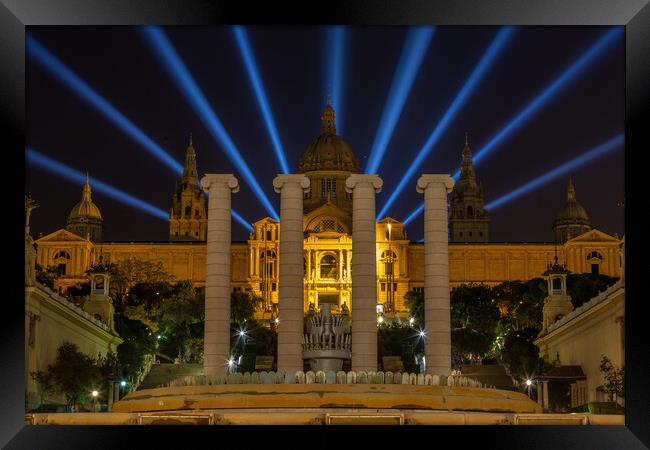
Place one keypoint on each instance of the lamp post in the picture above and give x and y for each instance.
(389, 275)
(95, 394)
(529, 383)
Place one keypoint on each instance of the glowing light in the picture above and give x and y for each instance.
(380, 319)
(415, 47)
(241, 220)
(411, 321)
(246, 53)
(335, 61)
(158, 337)
(547, 94)
(122, 383)
(542, 99)
(62, 73)
(490, 55)
(528, 382)
(277, 320)
(94, 393)
(193, 94)
(601, 150)
(422, 334)
(68, 173)
(231, 362)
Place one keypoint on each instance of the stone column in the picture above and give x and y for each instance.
(364, 270)
(437, 312)
(217, 272)
(290, 302)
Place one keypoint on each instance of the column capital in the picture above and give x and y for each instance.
(285, 178)
(353, 180)
(426, 179)
(227, 179)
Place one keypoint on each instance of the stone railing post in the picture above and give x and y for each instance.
(364, 270)
(217, 272)
(437, 312)
(291, 290)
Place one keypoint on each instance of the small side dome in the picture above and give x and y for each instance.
(85, 209)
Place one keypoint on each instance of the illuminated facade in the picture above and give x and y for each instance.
(327, 223)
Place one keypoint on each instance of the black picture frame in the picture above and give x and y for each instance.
(633, 14)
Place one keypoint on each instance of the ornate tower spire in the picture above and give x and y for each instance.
(572, 219)
(329, 122)
(468, 217)
(570, 191)
(188, 218)
(85, 219)
(86, 191)
(190, 173)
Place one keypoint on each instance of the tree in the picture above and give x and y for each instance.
(519, 352)
(243, 306)
(73, 373)
(415, 303)
(126, 274)
(138, 342)
(614, 379)
(181, 322)
(584, 286)
(47, 276)
(474, 319)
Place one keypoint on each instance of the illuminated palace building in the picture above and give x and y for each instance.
(327, 162)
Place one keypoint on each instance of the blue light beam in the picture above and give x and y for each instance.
(549, 93)
(46, 60)
(533, 107)
(597, 152)
(167, 55)
(336, 37)
(248, 57)
(59, 169)
(415, 47)
(491, 54)
(241, 220)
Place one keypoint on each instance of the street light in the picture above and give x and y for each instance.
(529, 383)
(94, 394)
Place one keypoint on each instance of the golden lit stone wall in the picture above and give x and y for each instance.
(468, 263)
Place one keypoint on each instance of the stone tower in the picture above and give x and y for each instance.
(85, 219)
(468, 220)
(98, 303)
(572, 219)
(188, 219)
(558, 303)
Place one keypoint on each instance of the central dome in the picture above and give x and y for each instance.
(328, 151)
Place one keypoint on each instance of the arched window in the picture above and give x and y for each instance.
(470, 212)
(62, 254)
(268, 259)
(594, 255)
(61, 260)
(328, 268)
(188, 211)
(389, 258)
(557, 284)
(269, 236)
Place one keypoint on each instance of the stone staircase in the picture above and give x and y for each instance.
(161, 374)
(490, 375)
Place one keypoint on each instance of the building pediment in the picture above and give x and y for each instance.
(327, 211)
(61, 235)
(593, 236)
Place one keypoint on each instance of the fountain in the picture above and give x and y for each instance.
(326, 344)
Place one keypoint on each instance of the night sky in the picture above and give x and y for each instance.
(117, 62)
